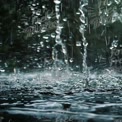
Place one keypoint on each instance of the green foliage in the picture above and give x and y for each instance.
(17, 15)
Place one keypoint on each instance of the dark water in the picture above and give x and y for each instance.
(25, 98)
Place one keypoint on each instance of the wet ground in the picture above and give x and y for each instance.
(25, 99)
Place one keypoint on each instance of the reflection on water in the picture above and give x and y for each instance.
(64, 98)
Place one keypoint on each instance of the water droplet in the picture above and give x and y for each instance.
(71, 60)
(100, 12)
(38, 51)
(60, 26)
(45, 37)
(64, 50)
(114, 44)
(33, 4)
(57, 16)
(115, 16)
(57, 1)
(38, 13)
(64, 19)
(43, 6)
(6, 65)
(53, 35)
(43, 30)
(120, 17)
(47, 40)
(39, 35)
(48, 47)
(32, 9)
(109, 3)
(82, 27)
(78, 13)
(42, 44)
(58, 32)
(36, 59)
(24, 67)
(66, 61)
(117, 1)
(120, 45)
(78, 43)
(48, 16)
(2, 70)
(19, 26)
(33, 12)
(85, 44)
(26, 23)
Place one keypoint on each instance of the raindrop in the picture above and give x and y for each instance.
(33, 4)
(38, 13)
(43, 6)
(64, 19)
(53, 35)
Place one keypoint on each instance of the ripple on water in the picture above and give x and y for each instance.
(44, 98)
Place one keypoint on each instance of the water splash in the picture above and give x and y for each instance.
(62, 82)
(59, 53)
(82, 31)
